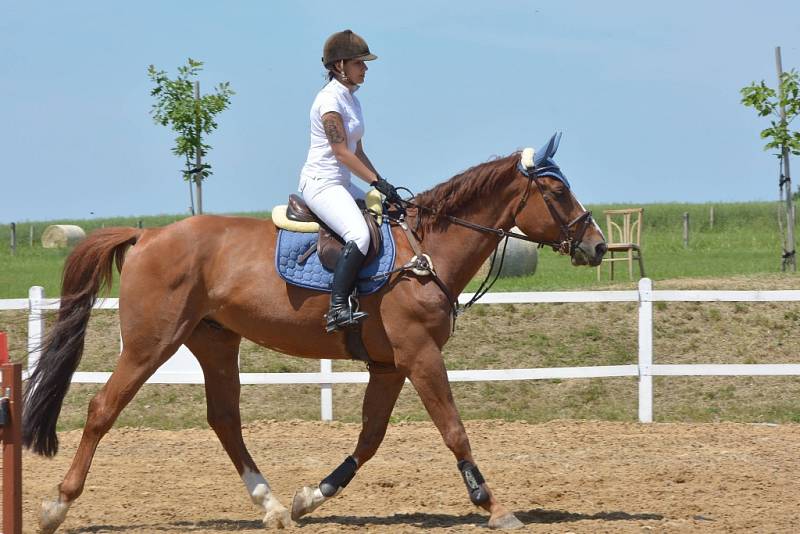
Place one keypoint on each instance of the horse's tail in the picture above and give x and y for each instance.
(87, 269)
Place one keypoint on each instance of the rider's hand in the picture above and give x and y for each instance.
(388, 190)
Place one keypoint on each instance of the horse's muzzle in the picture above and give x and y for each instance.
(589, 253)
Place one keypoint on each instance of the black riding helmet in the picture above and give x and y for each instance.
(345, 45)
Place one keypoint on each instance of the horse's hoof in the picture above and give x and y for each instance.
(506, 522)
(306, 500)
(278, 517)
(53, 514)
(300, 503)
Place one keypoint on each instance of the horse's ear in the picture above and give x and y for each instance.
(549, 149)
(552, 145)
(554, 142)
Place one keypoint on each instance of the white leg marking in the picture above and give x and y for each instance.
(257, 485)
(260, 493)
(307, 499)
(53, 514)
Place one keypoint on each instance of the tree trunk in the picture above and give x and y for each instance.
(198, 176)
(789, 260)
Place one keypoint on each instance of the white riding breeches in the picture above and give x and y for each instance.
(335, 205)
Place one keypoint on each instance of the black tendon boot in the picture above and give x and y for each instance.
(343, 312)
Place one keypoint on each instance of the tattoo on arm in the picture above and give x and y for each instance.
(333, 129)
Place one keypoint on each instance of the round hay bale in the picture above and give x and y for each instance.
(520, 260)
(62, 235)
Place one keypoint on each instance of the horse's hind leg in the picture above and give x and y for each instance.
(382, 391)
(217, 351)
(132, 371)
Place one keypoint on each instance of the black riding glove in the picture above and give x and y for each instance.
(388, 190)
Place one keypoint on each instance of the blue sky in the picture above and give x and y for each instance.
(647, 95)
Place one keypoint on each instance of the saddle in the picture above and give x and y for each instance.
(297, 217)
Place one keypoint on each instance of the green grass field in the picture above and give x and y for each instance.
(742, 251)
(744, 240)
(34, 265)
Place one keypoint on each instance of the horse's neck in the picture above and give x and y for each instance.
(458, 252)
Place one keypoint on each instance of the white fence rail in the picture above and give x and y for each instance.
(183, 368)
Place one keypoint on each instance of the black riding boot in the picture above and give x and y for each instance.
(343, 312)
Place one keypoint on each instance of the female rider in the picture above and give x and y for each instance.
(337, 126)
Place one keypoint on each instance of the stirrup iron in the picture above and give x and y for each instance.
(338, 317)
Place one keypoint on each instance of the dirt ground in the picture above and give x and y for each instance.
(563, 476)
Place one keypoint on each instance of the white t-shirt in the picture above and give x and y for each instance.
(321, 163)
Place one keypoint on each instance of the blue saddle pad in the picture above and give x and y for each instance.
(312, 275)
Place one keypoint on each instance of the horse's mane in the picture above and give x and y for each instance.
(458, 194)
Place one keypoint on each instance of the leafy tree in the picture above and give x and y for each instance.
(177, 106)
(783, 106)
(767, 102)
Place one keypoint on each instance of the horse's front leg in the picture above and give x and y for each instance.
(217, 352)
(427, 373)
(382, 391)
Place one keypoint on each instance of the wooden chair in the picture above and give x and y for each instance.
(624, 235)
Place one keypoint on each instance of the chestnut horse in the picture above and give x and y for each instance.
(209, 281)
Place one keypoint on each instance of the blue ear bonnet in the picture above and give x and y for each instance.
(544, 164)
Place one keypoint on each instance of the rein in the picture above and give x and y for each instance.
(499, 232)
(485, 284)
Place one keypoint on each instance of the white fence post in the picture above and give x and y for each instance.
(645, 350)
(35, 325)
(326, 392)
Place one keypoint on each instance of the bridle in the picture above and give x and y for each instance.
(571, 233)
